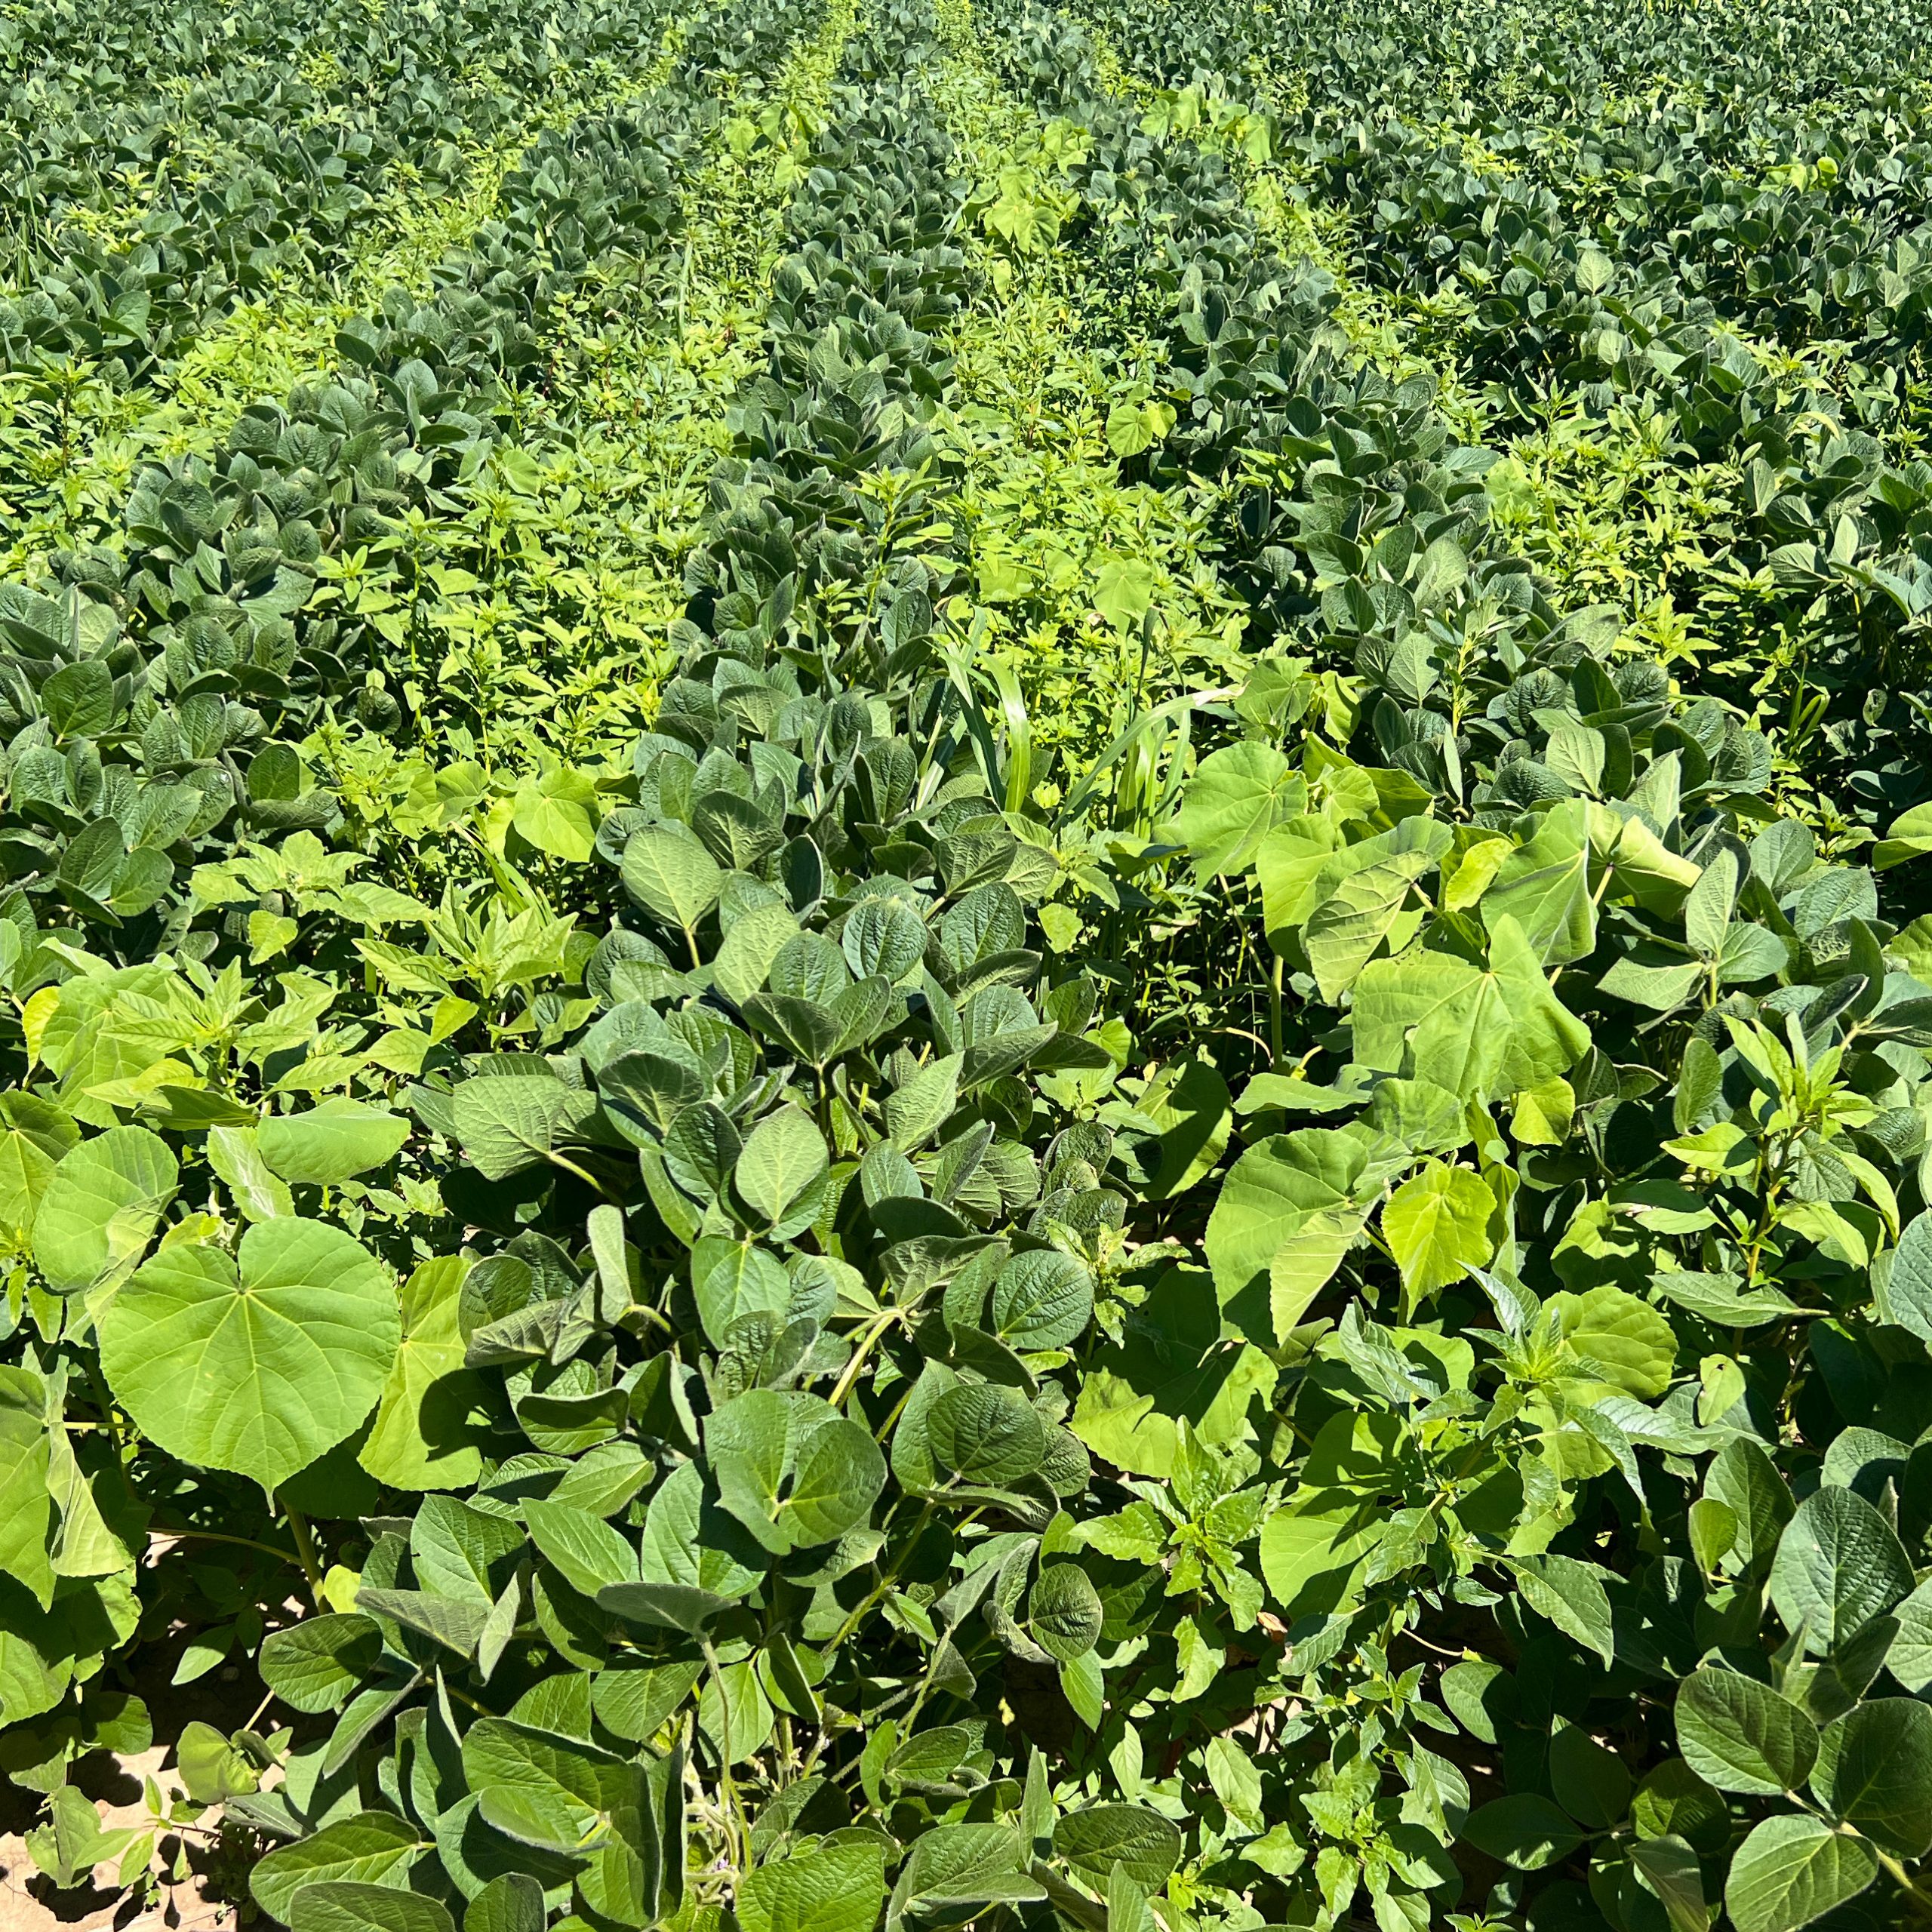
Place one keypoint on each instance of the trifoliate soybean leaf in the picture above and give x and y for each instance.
(1101, 1838)
(701, 1147)
(460, 1551)
(1839, 1563)
(1874, 1771)
(26, 1506)
(689, 1540)
(539, 1788)
(1064, 1612)
(732, 1279)
(670, 874)
(839, 1473)
(456, 1624)
(985, 1433)
(513, 1902)
(1793, 1870)
(346, 1906)
(884, 936)
(1041, 1299)
(783, 1158)
(1591, 1784)
(329, 1143)
(585, 1550)
(1744, 1479)
(314, 1665)
(258, 1367)
(837, 1888)
(1910, 1658)
(1908, 1299)
(662, 1606)
(371, 1847)
(963, 1864)
(509, 1121)
(1740, 1735)
(633, 1699)
(920, 1105)
(99, 1210)
(1670, 1868)
(1523, 1830)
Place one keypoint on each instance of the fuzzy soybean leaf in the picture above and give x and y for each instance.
(670, 874)
(314, 1665)
(1740, 1735)
(1792, 1869)
(537, 1788)
(371, 1847)
(839, 1474)
(1874, 1771)
(1524, 1830)
(986, 1433)
(513, 1902)
(1103, 1838)
(507, 1122)
(257, 1364)
(585, 1550)
(1064, 1611)
(1041, 1299)
(732, 1279)
(1839, 1563)
(346, 1906)
(837, 1888)
(782, 1161)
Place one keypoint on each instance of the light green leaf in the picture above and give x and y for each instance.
(100, 1209)
(836, 1888)
(1437, 1227)
(1236, 796)
(424, 1435)
(670, 874)
(258, 1368)
(330, 1143)
(1792, 1869)
(371, 1848)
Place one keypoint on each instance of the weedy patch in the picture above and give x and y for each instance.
(963, 966)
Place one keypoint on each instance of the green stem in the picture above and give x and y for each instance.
(305, 1543)
(736, 1830)
(287, 1556)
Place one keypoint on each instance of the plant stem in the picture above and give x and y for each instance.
(305, 1543)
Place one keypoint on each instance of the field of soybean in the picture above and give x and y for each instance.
(966, 965)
